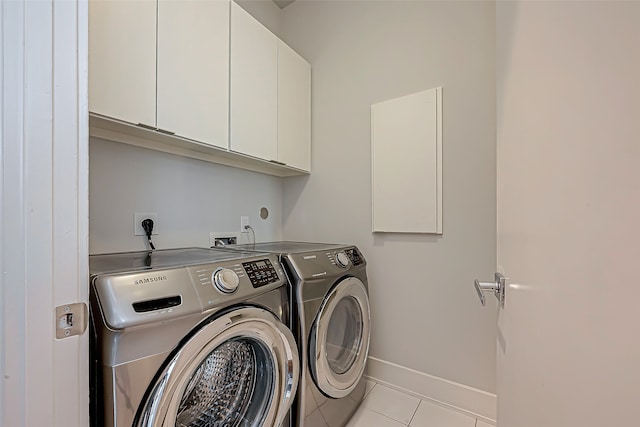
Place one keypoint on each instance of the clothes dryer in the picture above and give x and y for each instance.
(332, 325)
(190, 337)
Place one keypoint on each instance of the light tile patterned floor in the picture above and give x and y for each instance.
(386, 407)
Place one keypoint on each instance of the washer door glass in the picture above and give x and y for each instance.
(230, 387)
(339, 339)
(239, 369)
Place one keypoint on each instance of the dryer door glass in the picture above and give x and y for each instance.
(339, 338)
(344, 335)
(239, 368)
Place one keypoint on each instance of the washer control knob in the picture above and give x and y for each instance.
(342, 259)
(225, 280)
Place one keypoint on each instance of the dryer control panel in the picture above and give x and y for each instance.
(354, 256)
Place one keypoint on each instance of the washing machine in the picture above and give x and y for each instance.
(332, 325)
(190, 337)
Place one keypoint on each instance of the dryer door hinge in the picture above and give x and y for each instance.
(71, 319)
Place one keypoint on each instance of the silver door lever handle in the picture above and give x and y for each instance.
(496, 287)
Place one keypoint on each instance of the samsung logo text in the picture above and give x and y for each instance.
(149, 280)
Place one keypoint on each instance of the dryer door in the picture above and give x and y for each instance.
(339, 339)
(240, 369)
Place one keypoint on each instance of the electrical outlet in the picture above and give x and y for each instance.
(222, 238)
(138, 217)
(244, 223)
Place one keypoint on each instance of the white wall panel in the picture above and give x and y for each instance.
(406, 154)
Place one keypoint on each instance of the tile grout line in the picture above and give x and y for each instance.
(386, 416)
(370, 390)
(415, 412)
(420, 401)
(442, 405)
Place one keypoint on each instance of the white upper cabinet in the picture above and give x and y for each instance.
(254, 92)
(201, 79)
(294, 109)
(270, 95)
(193, 69)
(122, 60)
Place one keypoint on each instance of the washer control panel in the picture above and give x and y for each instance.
(225, 280)
(260, 272)
(237, 280)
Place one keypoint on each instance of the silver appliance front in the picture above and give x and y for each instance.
(240, 369)
(170, 347)
(332, 326)
(339, 339)
(337, 326)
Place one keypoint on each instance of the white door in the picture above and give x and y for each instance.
(44, 381)
(568, 132)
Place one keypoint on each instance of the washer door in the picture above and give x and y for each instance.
(339, 339)
(240, 369)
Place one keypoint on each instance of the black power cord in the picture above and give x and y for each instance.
(248, 227)
(147, 226)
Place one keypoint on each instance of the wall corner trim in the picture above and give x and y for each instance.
(462, 398)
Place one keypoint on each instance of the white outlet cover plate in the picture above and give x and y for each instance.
(138, 217)
(244, 221)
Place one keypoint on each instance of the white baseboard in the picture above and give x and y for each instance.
(469, 400)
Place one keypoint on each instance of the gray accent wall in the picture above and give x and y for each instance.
(426, 315)
(191, 198)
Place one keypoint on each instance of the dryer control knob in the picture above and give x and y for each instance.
(342, 259)
(225, 280)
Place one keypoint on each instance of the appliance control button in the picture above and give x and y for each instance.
(225, 280)
(342, 259)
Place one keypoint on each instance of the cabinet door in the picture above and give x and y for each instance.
(193, 69)
(254, 79)
(122, 60)
(294, 109)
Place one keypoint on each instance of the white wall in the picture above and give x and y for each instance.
(426, 315)
(191, 198)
